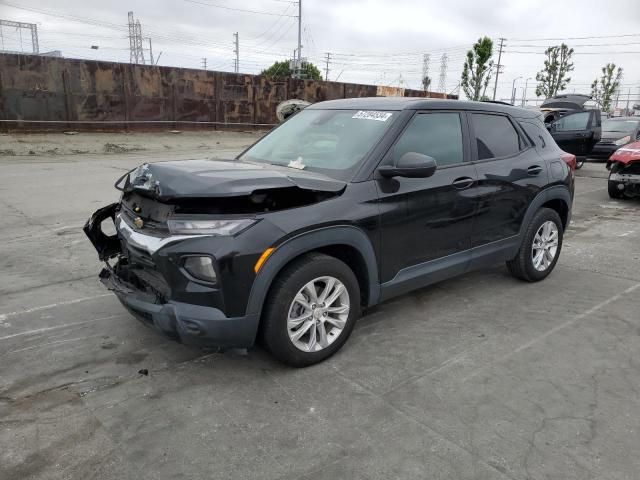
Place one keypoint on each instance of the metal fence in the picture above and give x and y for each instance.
(45, 93)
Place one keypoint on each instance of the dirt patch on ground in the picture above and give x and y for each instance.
(84, 143)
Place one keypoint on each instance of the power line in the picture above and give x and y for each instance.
(241, 10)
(576, 38)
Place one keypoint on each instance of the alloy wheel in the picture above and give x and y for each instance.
(318, 314)
(545, 246)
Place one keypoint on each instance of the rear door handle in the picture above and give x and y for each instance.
(534, 170)
(462, 182)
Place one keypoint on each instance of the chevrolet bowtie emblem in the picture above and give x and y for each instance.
(138, 222)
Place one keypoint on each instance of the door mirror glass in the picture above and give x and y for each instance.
(410, 165)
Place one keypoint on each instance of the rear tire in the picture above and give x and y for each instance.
(295, 304)
(580, 162)
(540, 247)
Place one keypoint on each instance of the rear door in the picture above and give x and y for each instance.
(510, 175)
(577, 132)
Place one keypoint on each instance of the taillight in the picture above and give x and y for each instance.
(570, 160)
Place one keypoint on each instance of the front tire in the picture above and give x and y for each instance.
(311, 310)
(540, 247)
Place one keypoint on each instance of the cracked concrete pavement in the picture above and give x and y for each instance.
(479, 377)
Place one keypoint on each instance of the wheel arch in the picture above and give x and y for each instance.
(347, 243)
(557, 198)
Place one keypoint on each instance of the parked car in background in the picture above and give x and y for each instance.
(346, 204)
(624, 172)
(616, 132)
(574, 122)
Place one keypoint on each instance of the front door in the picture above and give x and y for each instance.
(577, 132)
(425, 219)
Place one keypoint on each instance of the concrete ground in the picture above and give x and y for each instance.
(481, 377)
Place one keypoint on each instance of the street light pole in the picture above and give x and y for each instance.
(513, 90)
(524, 93)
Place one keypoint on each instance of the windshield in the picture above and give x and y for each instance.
(332, 142)
(622, 126)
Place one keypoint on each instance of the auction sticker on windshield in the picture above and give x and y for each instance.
(373, 115)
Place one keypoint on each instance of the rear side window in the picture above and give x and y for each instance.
(438, 135)
(495, 136)
(571, 122)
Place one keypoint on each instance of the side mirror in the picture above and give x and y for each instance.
(410, 165)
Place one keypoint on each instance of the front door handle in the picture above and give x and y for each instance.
(534, 170)
(462, 182)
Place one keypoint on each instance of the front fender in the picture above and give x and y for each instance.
(309, 241)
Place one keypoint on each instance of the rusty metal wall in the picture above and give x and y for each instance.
(115, 95)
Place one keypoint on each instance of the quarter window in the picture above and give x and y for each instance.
(438, 135)
(495, 136)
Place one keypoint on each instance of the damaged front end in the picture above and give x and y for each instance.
(624, 172)
(187, 235)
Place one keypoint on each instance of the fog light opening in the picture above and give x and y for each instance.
(621, 186)
(200, 268)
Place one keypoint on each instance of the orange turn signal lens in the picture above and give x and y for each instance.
(262, 259)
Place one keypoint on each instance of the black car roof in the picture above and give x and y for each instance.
(419, 103)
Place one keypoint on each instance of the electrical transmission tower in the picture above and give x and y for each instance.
(236, 50)
(136, 51)
(442, 83)
(20, 26)
(426, 81)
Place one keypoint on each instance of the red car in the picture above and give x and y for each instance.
(624, 172)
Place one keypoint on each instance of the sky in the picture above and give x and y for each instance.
(378, 42)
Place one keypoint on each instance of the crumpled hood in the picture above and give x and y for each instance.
(219, 178)
(627, 154)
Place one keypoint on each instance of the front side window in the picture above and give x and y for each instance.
(571, 122)
(438, 135)
(495, 136)
(333, 142)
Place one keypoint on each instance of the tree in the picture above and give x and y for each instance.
(476, 72)
(602, 89)
(283, 69)
(553, 78)
(426, 83)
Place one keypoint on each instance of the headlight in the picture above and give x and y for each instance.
(209, 227)
(623, 140)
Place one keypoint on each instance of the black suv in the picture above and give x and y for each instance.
(345, 205)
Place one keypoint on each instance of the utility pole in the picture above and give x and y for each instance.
(442, 83)
(425, 71)
(204, 63)
(236, 50)
(326, 68)
(150, 52)
(499, 66)
(298, 61)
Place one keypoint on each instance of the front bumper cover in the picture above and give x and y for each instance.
(192, 324)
